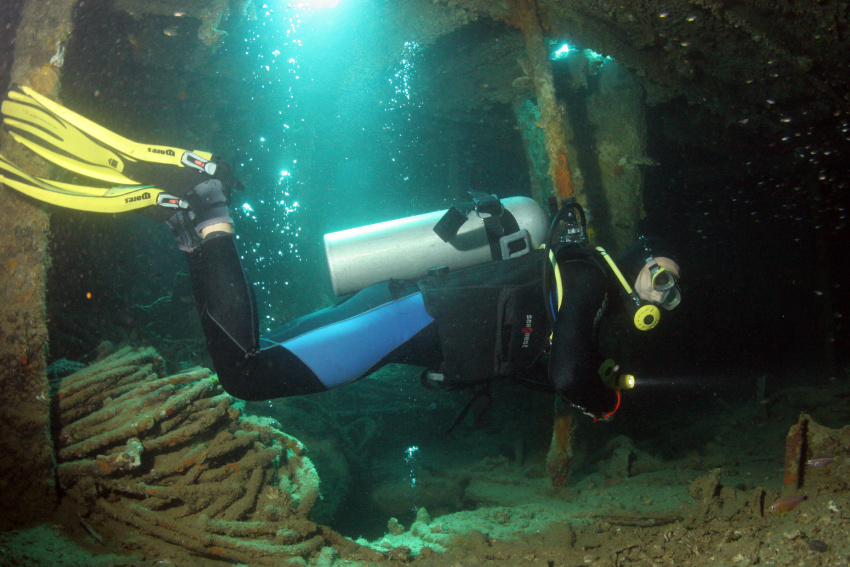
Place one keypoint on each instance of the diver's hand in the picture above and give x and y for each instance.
(208, 204)
(183, 228)
(208, 200)
(200, 204)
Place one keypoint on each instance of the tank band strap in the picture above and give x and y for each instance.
(499, 223)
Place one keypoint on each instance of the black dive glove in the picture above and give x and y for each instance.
(206, 196)
(183, 228)
(208, 202)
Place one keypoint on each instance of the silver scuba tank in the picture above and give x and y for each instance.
(407, 248)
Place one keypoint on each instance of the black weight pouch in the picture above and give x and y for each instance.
(491, 318)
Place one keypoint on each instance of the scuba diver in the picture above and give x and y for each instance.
(528, 310)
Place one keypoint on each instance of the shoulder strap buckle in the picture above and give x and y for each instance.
(515, 244)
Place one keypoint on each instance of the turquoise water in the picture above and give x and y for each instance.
(336, 118)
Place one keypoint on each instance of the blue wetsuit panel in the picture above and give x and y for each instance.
(342, 351)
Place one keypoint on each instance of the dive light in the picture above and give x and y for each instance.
(608, 373)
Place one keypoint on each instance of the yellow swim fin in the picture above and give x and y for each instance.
(118, 199)
(77, 144)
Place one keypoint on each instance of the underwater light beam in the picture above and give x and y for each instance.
(696, 384)
(316, 4)
(562, 52)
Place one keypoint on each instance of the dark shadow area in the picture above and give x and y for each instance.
(10, 17)
(745, 220)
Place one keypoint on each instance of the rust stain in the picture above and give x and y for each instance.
(560, 450)
(562, 178)
(794, 451)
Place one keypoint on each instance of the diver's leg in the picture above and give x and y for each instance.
(329, 348)
(386, 322)
(226, 306)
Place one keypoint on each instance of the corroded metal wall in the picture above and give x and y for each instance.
(27, 488)
(608, 138)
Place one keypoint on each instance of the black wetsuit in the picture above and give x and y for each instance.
(387, 322)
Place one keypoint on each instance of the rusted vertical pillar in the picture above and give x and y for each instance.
(27, 490)
(525, 16)
(552, 122)
(560, 455)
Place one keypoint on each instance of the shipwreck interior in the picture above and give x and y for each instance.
(721, 126)
(743, 138)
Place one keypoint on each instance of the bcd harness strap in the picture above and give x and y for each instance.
(504, 235)
(473, 360)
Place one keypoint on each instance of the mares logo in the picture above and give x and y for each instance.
(143, 197)
(526, 331)
(160, 151)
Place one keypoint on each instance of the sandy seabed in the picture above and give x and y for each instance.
(708, 507)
